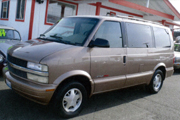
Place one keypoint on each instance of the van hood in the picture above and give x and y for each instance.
(36, 50)
(5, 44)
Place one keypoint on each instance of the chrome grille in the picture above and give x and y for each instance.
(17, 61)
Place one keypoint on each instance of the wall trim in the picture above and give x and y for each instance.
(31, 19)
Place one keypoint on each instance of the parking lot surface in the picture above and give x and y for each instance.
(127, 104)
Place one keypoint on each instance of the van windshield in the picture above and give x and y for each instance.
(74, 30)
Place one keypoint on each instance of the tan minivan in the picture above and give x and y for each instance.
(84, 55)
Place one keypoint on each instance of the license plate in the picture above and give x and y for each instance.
(8, 83)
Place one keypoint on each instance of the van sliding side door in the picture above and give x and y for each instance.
(139, 38)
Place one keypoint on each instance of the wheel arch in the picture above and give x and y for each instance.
(162, 67)
(77, 75)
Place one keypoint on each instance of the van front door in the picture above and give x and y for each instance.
(107, 64)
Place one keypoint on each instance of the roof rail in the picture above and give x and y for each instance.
(137, 19)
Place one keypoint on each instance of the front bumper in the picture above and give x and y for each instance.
(39, 93)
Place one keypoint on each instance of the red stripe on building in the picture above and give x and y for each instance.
(31, 19)
(98, 7)
(164, 22)
(172, 8)
(114, 9)
(142, 8)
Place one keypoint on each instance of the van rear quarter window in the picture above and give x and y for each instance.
(139, 36)
(162, 38)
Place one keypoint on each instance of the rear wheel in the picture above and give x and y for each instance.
(156, 82)
(70, 99)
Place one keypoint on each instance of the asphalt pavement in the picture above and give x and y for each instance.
(126, 104)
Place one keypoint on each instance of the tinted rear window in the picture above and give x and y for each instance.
(161, 37)
(139, 36)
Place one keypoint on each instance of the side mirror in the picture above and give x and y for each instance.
(99, 43)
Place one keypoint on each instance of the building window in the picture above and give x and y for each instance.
(5, 9)
(59, 9)
(20, 9)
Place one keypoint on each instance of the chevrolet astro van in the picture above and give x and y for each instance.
(85, 55)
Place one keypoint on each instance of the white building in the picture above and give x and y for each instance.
(33, 17)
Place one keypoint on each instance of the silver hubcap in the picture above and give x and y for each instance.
(72, 100)
(157, 82)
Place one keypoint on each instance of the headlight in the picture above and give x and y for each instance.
(37, 78)
(1, 58)
(38, 67)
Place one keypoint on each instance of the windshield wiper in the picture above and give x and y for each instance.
(59, 40)
(55, 36)
(15, 39)
(42, 35)
(47, 39)
(166, 46)
(70, 43)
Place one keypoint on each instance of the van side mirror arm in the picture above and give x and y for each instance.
(91, 45)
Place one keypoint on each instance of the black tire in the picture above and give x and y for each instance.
(156, 82)
(62, 97)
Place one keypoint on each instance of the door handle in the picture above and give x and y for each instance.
(124, 59)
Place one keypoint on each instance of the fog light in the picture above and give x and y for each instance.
(37, 78)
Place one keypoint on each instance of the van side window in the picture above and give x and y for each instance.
(110, 31)
(139, 36)
(161, 37)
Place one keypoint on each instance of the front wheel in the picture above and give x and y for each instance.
(70, 99)
(156, 82)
